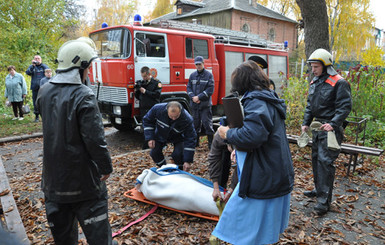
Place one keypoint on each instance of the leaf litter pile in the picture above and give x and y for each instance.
(357, 213)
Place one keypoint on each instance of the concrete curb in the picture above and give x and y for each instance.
(30, 136)
(20, 137)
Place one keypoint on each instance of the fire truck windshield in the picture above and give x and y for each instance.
(112, 43)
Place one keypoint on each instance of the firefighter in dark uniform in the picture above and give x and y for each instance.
(329, 104)
(76, 161)
(200, 87)
(147, 91)
(170, 123)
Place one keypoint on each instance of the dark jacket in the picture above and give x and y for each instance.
(152, 94)
(329, 101)
(37, 73)
(268, 168)
(75, 151)
(159, 127)
(215, 157)
(201, 84)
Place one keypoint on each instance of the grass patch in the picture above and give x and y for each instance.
(14, 128)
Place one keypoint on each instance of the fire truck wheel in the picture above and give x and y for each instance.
(125, 126)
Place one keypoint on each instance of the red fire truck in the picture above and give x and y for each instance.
(169, 53)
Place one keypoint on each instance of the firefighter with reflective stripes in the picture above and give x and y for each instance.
(329, 104)
(170, 123)
(76, 161)
(200, 87)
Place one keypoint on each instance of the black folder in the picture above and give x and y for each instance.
(233, 111)
(234, 114)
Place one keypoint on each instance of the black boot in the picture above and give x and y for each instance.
(197, 143)
(321, 209)
(36, 118)
(311, 193)
(209, 140)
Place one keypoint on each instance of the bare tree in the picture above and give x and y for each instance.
(316, 26)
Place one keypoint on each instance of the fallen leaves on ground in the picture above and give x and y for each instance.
(357, 213)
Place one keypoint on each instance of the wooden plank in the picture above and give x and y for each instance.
(11, 213)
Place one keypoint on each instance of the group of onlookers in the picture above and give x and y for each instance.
(16, 87)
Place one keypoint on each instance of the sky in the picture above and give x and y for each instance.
(377, 7)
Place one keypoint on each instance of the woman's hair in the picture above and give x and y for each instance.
(11, 68)
(248, 77)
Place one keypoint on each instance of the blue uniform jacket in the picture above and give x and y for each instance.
(159, 127)
(36, 73)
(268, 168)
(201, 84)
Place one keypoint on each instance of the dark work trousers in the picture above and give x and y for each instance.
(34, 97)
(143, 112)
(323, 166)
(203, 116)
(16, 106)
(177, 155)
(93, 218)
(225, 168)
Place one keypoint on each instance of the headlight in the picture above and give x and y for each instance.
(117, 110)
(118, 120)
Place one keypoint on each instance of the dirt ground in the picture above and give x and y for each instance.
(357, 215)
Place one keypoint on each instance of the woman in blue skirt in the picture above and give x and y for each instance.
(258, 210)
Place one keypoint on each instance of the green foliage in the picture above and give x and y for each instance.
(295, 96)
(33, 27)
(368, 90)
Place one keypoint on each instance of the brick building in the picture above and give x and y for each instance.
(239, 15)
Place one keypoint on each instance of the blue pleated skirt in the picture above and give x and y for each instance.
(252, 221)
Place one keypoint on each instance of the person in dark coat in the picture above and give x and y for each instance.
(170, 123)
(147, 91)
(76, 161)
(329, 104)
(258, 210)
(200, 87)
(36, 71)
(219, 160)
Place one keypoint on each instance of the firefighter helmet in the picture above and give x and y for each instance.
(75, 54)
(321, 55)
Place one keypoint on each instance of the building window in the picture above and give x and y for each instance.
(271, 34)
(245, 28)
(179, 10)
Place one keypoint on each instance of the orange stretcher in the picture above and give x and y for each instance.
(138, 196)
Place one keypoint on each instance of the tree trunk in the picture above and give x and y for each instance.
(316, 26)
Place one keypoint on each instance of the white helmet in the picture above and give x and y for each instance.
(75, 54)
(323, 56)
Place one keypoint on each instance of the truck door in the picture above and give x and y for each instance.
(151, 50)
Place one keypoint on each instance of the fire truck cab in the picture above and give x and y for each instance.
(169, 53)
(124, 50)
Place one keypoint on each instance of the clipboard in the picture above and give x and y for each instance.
(234, 114)
(233, 111)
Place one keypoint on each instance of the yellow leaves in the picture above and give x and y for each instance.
(350, 27)
(162, 7)
(373, 56)
(114, 12)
